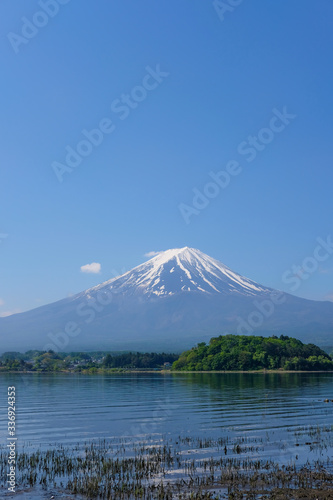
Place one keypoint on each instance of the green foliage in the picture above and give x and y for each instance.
(242, 352)
(10, 355)
(138, 360)
(50, 361)
(14, 365)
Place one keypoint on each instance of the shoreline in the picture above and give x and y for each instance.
(128, 370)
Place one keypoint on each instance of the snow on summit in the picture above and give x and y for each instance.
(182, 270)
(177, 298)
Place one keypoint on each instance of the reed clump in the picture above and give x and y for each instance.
(183, 468)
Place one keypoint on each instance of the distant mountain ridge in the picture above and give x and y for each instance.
(179, 297)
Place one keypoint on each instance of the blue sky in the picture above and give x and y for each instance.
(219, 79)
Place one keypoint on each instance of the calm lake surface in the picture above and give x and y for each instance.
(66, 409)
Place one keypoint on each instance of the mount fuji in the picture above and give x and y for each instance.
(181, 270)
(177, 298)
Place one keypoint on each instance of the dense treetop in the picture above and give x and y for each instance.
(50, 361)
(242, 352)
(138, 360)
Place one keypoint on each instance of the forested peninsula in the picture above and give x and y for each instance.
(224, 353)
(245, 353)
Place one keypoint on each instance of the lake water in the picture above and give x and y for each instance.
(279, 408)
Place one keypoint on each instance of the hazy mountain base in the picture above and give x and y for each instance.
(169, 324)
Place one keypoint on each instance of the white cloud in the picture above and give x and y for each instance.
(9, 313)
(151, 254)
(93, 268)
(2, 302)
(329, 296)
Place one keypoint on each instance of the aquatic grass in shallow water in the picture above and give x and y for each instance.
(185, 468)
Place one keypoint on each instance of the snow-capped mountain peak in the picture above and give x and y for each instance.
(172, 301)
(181, 270)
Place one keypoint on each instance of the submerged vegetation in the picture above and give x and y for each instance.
(242, 352)
(183, 468)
